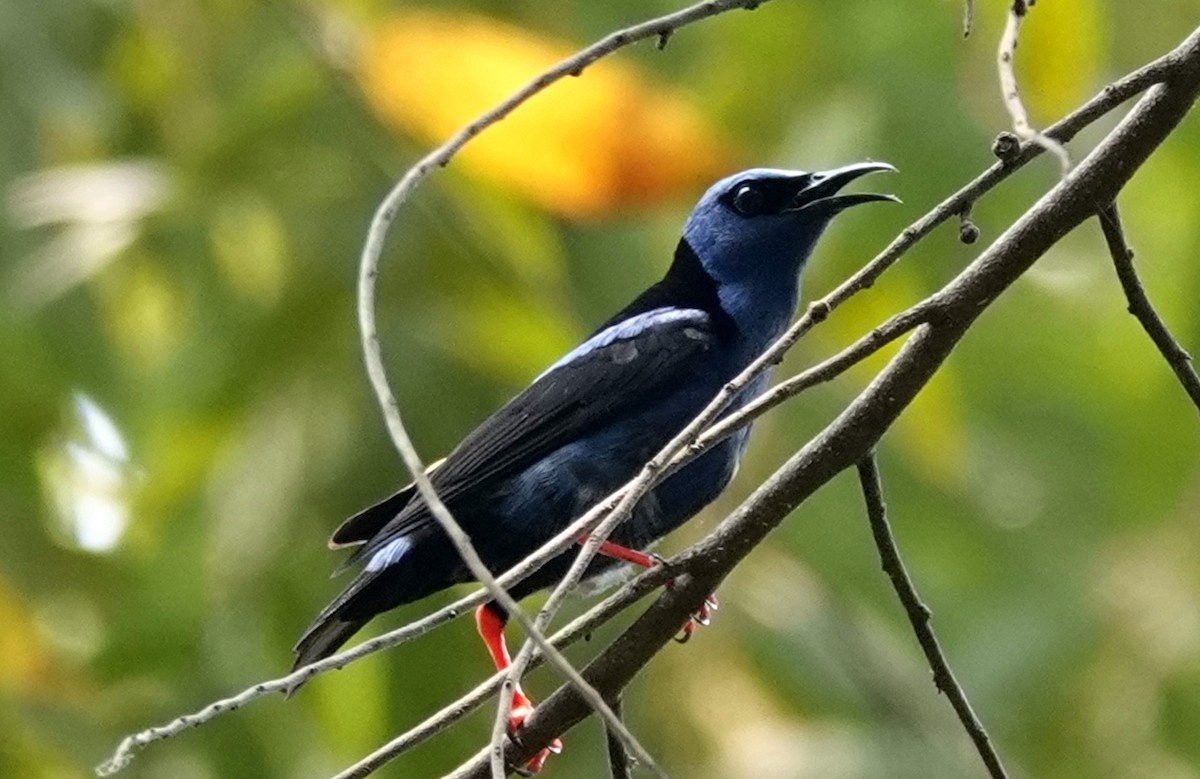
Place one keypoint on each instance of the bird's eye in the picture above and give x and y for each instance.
(747, 201)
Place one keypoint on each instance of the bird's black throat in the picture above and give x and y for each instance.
(686, 285)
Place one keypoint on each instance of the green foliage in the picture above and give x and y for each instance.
(195, 288)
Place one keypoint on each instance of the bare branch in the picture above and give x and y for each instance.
(131, 744)
(1097, 179)
(1005, 63)
(668, 459)
(1139, 304)
(919, 616)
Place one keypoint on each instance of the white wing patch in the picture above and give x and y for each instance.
(389, 554)
(630, 328)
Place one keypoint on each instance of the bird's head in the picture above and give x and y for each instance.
(763, 222)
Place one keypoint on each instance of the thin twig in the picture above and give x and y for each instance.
(961, 201)
(500, 726)
(618, 757)
(919, 616)
(968, 19)
(1099, 105)
(824, 371)
(460, 539)
(1005, 63)
(1139, 304)
(128, 747)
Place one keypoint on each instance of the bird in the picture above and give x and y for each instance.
(588, 423)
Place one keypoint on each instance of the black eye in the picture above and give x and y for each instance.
(747, 201)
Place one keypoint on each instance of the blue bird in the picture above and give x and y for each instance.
(588, 423)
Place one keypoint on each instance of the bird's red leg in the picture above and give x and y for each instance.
(618, 552)
(490, 624)
(702, 616)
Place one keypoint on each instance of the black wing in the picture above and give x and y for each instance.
(630, 364)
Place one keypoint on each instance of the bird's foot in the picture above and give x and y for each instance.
(521, 708)
(702, 617)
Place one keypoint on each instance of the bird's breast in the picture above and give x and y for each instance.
(760, 311)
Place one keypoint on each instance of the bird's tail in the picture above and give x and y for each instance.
(324, 638)
(404, 579)
(334, 626)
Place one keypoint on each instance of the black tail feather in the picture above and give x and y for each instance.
(333, 626)
(372, 592)
(324, 638)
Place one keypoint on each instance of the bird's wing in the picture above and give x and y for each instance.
(626, 365)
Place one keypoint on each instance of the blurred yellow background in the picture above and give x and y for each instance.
(184, 417)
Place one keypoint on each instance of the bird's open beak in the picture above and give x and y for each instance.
(820, 191)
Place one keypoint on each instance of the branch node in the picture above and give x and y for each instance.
(818, 310)
(1006, 147)
(968, 231)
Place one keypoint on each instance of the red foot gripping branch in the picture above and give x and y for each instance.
(702, 616)
(491, 630)
(490, 623)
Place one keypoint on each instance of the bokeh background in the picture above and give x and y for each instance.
(184, 417)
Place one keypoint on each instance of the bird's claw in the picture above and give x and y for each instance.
(702, 617)
(534, 765)
(522, 707)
